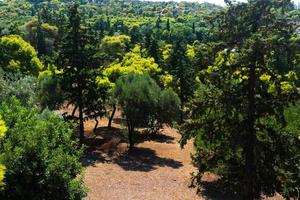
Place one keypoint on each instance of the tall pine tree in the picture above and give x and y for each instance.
(237, 116)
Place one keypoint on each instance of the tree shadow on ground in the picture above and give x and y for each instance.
(145, 160)
(212, 188)
(108, 133)
(109, 145)
(91, 158)
(213, 192)
(155, 137)
(103, 146)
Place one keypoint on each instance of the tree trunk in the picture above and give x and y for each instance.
(130, 132)
(250, 170)
(96, 125)
(181, 96)
(81, 124)
(74, 110)
(80, 108)
(181, 112)
(112, 116)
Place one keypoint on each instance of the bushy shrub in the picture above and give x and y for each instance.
(41, 159)
(50, 94)
(22, 87)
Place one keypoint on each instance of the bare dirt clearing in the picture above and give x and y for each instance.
(157, 168)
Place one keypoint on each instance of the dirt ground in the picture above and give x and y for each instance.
(156, 169)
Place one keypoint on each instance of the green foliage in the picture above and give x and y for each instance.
(22, 87)
(114, 47)
(237, 115)
(41, 36)
(41, 158)
(16, 55)
(132, 62)
(143, 103)
(245, 59)
(179, 66)
(50, 94)
(3, 130)
(78, 77)
(13, 14)
(168, 107)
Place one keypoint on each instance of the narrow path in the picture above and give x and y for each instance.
(157, 169)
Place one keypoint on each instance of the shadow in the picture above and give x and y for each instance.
(214, 190)
(108, 133)
(103, 146)
(156, 137)
(109, 145)
(120, 121)
(145, 160)
(92, 158)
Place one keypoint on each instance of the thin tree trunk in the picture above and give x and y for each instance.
(181, 96)
(80, 107)
(181, 112)
(74, 110)
(81, 124)
(250, 171)
(96, 125)
(130, 132)
(112, 116)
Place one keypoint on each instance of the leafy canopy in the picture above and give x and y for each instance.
(41, 158)
(237, 114)
(16, 55)
(144, 104)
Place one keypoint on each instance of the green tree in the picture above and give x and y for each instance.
(113, 47)
(49, 92)
(42, 36)
(154, 50)
(41, 159)
(168, 25)
(237, 116)
(132, 62)
(158, 23)
(16, 55)
(143, 102)
(181, 69)
(78, 68)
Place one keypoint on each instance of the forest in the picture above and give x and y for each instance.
(130, 99)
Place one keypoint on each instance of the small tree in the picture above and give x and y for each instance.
(142, 101)
(49, 93)
(132, 62)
